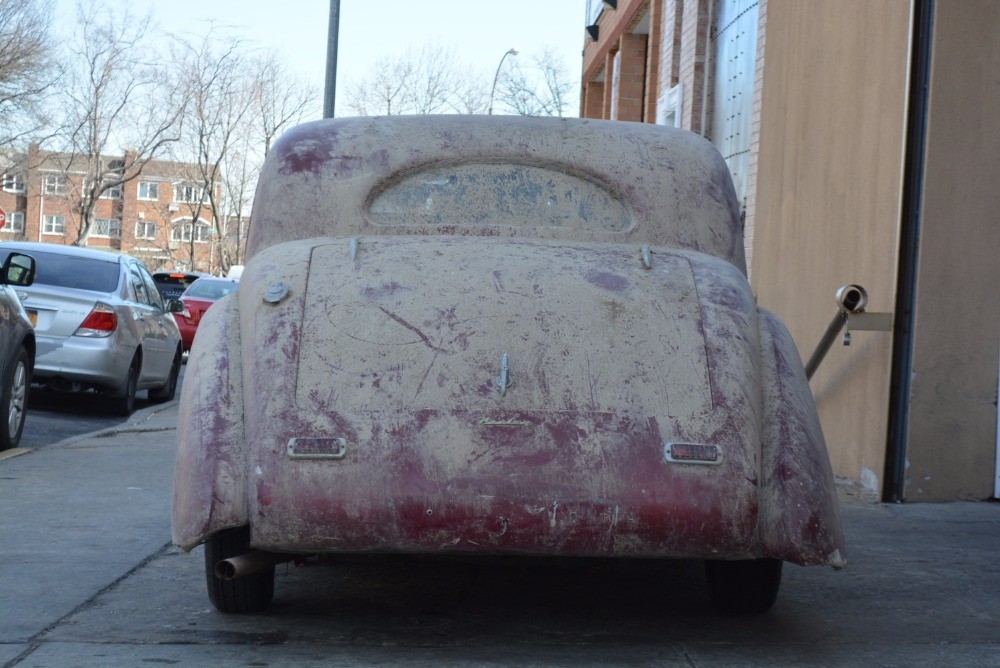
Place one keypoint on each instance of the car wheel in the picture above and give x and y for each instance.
(749, 586)
(122, 402)
(14, 401)
(249, 593)
(169, 389)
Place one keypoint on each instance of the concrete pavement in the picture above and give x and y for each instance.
(88, 578)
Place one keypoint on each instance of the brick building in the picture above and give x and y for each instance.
(861, 136)
(149, 217)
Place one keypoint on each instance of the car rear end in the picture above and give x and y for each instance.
(197, 299)
(74, 308)
(172, 284)
(425, 397)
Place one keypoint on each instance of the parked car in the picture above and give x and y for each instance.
(501, 336)
(172, 284)
(197, 299)
(17, 348)
(99, 323)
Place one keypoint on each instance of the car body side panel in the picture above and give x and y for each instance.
(800, 516)
(210, 471)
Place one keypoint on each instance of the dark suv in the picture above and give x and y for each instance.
(172, 284)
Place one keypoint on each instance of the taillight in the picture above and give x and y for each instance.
(102, 321)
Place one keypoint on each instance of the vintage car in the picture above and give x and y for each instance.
(500, 336)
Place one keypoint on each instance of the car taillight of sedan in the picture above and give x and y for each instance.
(100, 322)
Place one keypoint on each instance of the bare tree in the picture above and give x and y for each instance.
(27, 67)
(221, 96)
(116, 94)
(280, 99)
(540, 89)
(424, 82)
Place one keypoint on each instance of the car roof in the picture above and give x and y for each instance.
(216, 279)
(75, 251)
(586, 181)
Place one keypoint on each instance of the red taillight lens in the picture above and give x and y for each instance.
(102, 321)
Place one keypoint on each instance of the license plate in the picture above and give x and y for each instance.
(33, 317)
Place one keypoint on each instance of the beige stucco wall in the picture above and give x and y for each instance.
(953, 412)
(832, 132)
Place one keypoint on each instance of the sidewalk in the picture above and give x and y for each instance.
(88, 578)
(77, 516)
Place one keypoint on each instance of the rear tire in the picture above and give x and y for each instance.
(249, 593)
(744, 587)
(166, 393)
(14, 399)
(122, 402)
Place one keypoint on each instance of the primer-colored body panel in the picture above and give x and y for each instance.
(384, 336)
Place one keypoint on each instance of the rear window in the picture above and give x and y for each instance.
(477, 194)
(214, 290)
(67, 271)
(171, 280)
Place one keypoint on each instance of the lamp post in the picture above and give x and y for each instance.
(333, 36)
(509, 52)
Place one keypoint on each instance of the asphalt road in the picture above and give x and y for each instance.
(56, 416)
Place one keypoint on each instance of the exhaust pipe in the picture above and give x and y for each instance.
(254, 561)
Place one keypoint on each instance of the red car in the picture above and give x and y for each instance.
(197, 299)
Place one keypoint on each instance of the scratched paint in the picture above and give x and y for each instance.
(397, 349)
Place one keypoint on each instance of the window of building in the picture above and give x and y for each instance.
(189, 194)
(115, 192)
(13, 182)
(54, 225)
(15, 223)
(182, 232)
(145, 229)
(149, 191)
(54, 184)
(110, 228)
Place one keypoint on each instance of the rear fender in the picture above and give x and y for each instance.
(799, 513)
(210, 471)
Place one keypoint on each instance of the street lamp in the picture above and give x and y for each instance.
(510, 52)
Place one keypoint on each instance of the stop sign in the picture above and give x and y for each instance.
(3, 218)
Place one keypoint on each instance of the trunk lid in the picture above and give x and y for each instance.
(424, 323)
(375, 420)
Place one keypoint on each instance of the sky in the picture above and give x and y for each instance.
(478, 31)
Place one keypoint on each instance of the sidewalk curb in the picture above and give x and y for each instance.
(132, 424)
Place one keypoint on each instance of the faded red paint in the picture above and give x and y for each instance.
(398, 352)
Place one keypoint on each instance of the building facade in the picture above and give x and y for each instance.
(162, 217)
(861, 139)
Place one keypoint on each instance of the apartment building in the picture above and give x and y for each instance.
(162, 217)
(861, 136)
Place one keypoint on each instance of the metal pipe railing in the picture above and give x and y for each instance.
(850, 299)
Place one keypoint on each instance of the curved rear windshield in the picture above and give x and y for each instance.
(68, 271)
(476, 194)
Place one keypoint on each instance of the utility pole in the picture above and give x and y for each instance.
(330, 95)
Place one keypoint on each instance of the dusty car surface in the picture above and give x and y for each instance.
(99, 323)
(197, 299)
(17, 348)
(499, 336)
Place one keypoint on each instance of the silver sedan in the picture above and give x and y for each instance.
(100, 323)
